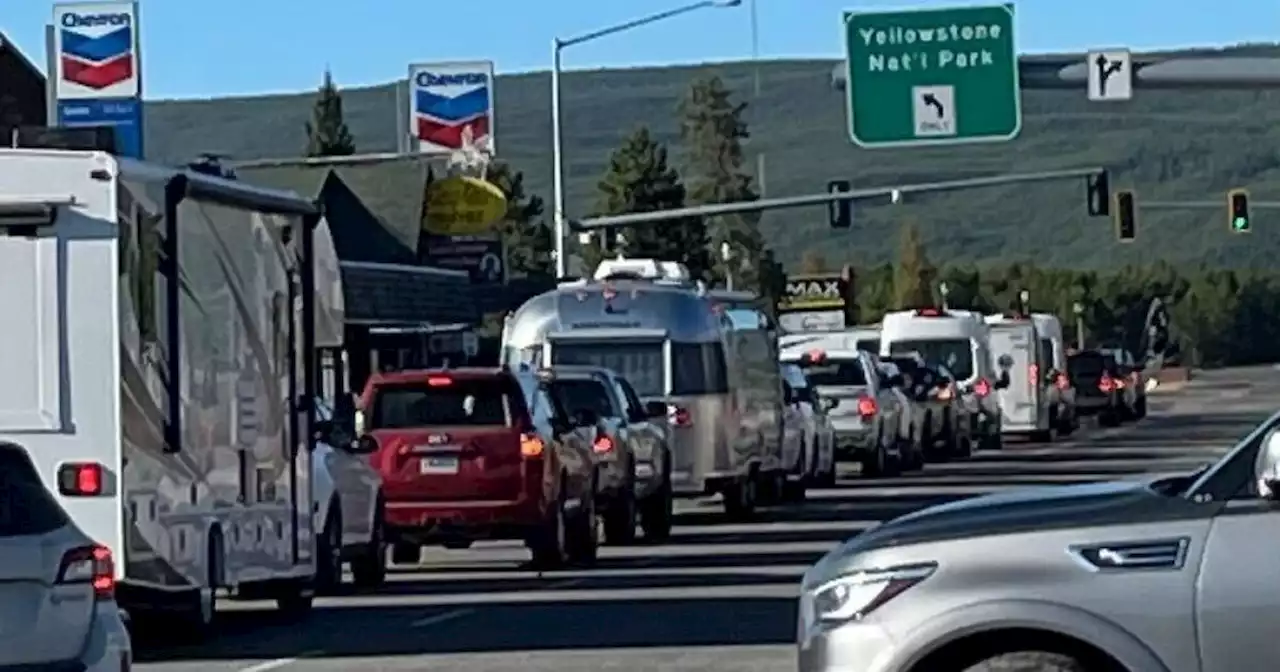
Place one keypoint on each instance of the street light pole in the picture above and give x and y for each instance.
(1078, 309)
(561, 230)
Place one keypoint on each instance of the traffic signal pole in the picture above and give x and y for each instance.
(718, 209)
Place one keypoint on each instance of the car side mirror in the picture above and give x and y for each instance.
(655, 409)
(1266, 468)
(365, 445)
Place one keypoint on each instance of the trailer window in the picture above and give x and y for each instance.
(479, 402)
(698, 368)
(640, 363)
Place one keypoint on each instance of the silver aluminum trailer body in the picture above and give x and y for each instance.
(710, 356)
(166, 325)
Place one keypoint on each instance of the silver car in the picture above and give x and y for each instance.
(1170, 574)
(57, 603)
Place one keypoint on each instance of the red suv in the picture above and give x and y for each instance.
(477, 454)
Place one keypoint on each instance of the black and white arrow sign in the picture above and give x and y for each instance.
(1110, 75)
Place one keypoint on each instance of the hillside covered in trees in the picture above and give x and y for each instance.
(1169, 145)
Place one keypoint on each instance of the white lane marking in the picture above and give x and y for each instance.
(441, 618)
(280, 662)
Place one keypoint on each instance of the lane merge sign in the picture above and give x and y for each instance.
(932, 76)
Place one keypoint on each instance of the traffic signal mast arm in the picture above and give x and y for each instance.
(712, 210)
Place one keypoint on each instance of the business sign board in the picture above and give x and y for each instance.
(462, 206)
(122, 114)
(96, 51)
(451, 104)
(814, 303)
(481, 256)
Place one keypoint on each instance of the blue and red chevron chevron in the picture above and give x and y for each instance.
(97, 62)
(440, 120)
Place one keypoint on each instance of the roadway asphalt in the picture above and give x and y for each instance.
(719, 597)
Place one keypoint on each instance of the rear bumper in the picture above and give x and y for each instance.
(856, 439)
(1090, 405)
(437, 522)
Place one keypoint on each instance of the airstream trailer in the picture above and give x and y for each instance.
(709, 355)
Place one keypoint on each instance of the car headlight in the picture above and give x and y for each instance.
(854, 595)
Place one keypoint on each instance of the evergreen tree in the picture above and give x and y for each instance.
(525, 232)
(639, 179)
(813, 263)
(327, 133)
(914, 275)
(712, 130)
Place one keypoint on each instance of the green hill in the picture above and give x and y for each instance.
(1169, 145)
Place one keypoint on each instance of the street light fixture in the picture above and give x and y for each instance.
(557, 143)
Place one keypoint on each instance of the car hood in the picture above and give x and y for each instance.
(1029, 510)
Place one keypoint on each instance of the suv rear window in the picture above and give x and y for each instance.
(448, 402)
(1086, 364)
(582, 394)
(835, 372)
(26, 507)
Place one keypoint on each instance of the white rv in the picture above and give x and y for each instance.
(161, 326)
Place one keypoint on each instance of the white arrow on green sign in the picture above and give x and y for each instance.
(932, 76)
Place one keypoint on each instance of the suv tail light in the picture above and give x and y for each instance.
(1061, 381)
(867, 407)
(531, 445)
(679, 417)
(982, 388)
(92, 565)
(81, 479)
(602, 445)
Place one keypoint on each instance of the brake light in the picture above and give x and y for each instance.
(817, 355)
(929, 312)
(982, 388)
(1106, 384)
(679, 417)
(602, 445)
(439, 381)
(1034, 371)
(1061, 382)
(92, 565)
(531, 445)
(867, 407)
(81, 479)
(945, 393)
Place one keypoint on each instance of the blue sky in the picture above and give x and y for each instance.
(205, 48)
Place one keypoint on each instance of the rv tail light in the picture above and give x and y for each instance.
(603, 445)
(81, 479)
(92, 565)
(867, 407)
(679, 417)
(982, 388)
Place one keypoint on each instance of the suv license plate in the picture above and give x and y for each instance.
(438, 465)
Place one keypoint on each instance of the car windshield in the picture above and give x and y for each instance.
(834, 371)
(954, 353)
(441, 402)
(582, 394)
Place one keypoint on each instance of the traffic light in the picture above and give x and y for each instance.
(1098, 194)
(1238, 211)
(839, 213)
(1126, 215)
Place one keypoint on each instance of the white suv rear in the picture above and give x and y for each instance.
(57, 586)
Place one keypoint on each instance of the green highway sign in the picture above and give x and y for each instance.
(932, 76)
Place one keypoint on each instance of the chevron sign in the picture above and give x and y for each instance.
(449, 102)
(97, 46)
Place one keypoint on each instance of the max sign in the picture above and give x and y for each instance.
(811, 293)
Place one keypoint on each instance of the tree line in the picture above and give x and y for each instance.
(1220, 317)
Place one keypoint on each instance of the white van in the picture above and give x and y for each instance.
(1053, 362)
(861, 337)
(959, 340)
(1024, 403)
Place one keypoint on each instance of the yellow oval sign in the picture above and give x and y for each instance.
(462, 206)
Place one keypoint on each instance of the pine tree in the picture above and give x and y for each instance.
(640, 179)
(712, 130)
(914, 275)
(327, 133)
(525, 232)
(813, 263)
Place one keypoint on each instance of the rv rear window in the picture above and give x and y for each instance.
(441, 402)
(698, 368)
(639, 362)
(26, 507)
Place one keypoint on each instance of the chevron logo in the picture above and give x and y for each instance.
(445, 106)
(97, 61)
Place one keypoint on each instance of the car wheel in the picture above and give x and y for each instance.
(1042, 436)
(197, 622)
(549, 543)
(404, 553)
(876, 464)
(740, 498)
(827, 477)
(329, 551)
(1028, 661)
(582, 542)
(795, 491)
(657, 512)
(369, 569)
(621, 516)
(1140, 409)
(1109, 418)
